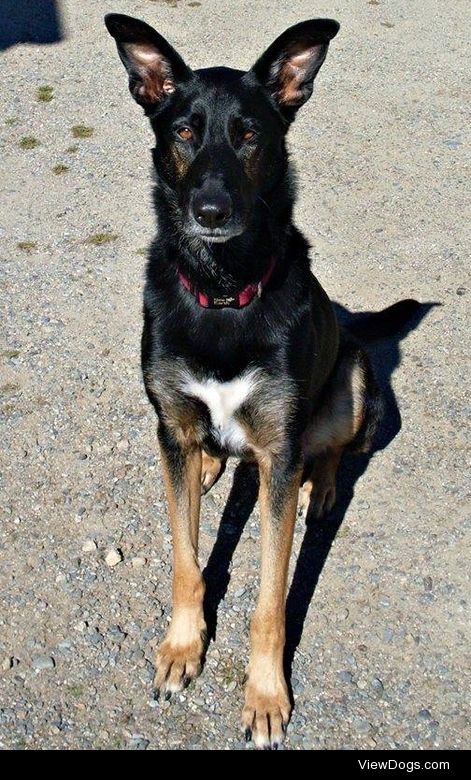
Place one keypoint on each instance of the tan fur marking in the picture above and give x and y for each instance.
(267, 706)
(180, 163)
(341, 417)
(179, 656)
(252, 163)
(266, 418)
(180, 413)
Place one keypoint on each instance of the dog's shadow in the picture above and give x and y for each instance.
(319, 536)
(35, 22)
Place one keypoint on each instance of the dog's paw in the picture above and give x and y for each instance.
(176, 666)
(304, 500)
(265, 715)
(316, 501)
(211, 470)
(322, 501)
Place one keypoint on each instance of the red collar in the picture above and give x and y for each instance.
(236, 301)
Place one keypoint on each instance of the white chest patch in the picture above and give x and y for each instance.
(223, 399)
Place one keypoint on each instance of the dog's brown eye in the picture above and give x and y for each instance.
(185, 133)
(248, 135)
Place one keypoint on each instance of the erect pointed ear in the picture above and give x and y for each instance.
(154, 67)
(289, 66)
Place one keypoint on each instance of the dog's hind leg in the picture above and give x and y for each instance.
(318, 493)
(179, 657)
(267, 704)
(346, 419)
(212, 468)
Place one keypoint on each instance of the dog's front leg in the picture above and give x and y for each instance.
(267, 704)
(178, 658)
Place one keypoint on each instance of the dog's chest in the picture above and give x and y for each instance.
(224, 400)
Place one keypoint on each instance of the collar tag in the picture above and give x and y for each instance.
(227, 300)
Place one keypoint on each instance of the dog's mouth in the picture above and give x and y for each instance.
(215, 236)
(212, 238)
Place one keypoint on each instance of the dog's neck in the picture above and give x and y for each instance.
(228, 267)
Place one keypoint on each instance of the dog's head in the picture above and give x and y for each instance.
(220, 132)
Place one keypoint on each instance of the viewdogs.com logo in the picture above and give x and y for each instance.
(408, 766)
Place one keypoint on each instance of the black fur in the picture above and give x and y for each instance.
(291, 330)
(224, 197)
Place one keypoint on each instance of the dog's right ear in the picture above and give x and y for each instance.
(154, 67)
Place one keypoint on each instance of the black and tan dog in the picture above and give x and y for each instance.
(241, 350)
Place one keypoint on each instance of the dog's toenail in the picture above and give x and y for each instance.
(248, 735)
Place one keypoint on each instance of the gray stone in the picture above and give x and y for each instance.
(424, 715)
(117, 633)
(42, 662)
(7, 663)
(95, 637)
(138, 742)
(377, 686)
(388, 634)
(362, 726)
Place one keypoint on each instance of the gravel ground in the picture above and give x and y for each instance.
(378, 610)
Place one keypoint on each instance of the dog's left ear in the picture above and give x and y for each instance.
(289, 66)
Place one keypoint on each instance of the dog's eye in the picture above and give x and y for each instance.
(185, 133)
(248, 135)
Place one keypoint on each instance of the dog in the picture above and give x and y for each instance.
(242, 354)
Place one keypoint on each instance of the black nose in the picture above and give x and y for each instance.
(212, 210)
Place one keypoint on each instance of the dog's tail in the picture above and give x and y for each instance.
(372, 326)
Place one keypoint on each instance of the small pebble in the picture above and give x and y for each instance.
(89, 546)
(96, 637)
(41, 662)
(7, 663)
(138, 562)
(117, 633)
(377, 685)
(428, 583)
(113, 557)
(424, 715)
(138, 743)
(361, 725)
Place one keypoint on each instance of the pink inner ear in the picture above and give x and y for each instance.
(293, 72)
(153, 69)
